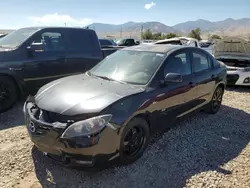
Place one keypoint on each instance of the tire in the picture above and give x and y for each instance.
(8, 93)
(212, 108)
(138, 124)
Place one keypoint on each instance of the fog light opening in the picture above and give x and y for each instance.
(247, 80)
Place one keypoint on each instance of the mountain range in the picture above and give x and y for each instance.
(227, 27)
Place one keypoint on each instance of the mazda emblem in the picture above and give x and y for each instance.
(32, 127)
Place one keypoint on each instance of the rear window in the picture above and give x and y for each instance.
(81, 40)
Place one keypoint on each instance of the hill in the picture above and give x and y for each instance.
(227, 27)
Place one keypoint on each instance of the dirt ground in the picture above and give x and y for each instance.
(202, 151)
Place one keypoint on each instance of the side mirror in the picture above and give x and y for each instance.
(173, 77)
(36, 47)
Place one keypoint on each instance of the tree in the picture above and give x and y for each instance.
(215, 37)
(170, 35)
(196, 33)
(157, 36)
(148, 35)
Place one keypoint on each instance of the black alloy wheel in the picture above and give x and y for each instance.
(134, 140)
(214, 105)
(8, 93)
(217, 99)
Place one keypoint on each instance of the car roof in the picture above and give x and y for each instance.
(154, 48)
(53, 27)
(177, 38)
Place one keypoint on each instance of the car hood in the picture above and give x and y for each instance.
(82, 94)
(231, 46)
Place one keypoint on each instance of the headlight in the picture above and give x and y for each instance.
(87, 127)
(246, 69)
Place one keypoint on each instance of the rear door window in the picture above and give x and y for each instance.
(200, 61)
(81, 40)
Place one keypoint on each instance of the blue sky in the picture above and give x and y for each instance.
(21, 13)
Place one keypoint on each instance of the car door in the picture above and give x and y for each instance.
(43, 66)
(173, 100)
(204, 77)
(83, 50)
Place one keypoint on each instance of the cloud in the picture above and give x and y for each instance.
(149, 5)
(60, 20)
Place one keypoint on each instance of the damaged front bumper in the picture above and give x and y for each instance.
(78, 151)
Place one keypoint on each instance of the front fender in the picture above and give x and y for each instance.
(17, 79)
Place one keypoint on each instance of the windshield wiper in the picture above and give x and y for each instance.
(110, 79)
(88, 73)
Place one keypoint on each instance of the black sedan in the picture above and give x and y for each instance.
(111, 111)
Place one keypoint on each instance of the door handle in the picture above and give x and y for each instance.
(212, 76)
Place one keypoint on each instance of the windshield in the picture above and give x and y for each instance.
(16, 38)
(134, 67)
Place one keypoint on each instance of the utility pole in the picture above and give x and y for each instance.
(121, 32)
(141, 32)
(65, 24)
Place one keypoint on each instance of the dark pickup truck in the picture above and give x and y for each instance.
(31, 57)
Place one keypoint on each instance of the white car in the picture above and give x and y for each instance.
(235, 54)
(238, 76)
(180, 41)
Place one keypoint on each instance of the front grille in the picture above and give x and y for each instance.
(46, 119)
(51, 117)
(42, 130)
(232, 79)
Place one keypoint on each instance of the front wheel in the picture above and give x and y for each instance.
(134, 140)
(214, 105)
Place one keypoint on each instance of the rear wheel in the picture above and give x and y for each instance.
(8, 93)
(134, 140)
(214, 105)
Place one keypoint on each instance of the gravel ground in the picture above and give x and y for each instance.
(202, 151)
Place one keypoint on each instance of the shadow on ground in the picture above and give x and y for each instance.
(240, 89)
(13, 117)
(200, 143)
